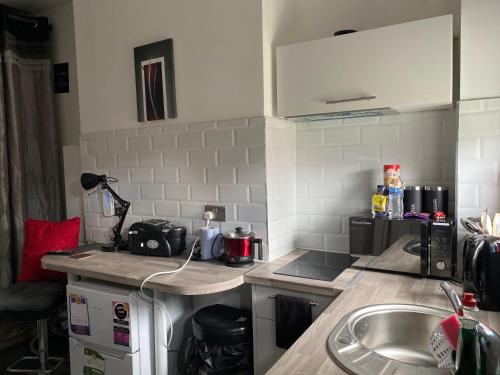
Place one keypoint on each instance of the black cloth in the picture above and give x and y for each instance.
(31, 300)
(293, 317)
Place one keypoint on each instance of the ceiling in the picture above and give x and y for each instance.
(33, 6)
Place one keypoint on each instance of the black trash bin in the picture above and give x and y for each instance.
(221, 342)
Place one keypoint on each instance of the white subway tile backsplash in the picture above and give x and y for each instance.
(379, 134)
(175, 158)
(176, 192)
(325, 224)
(165, 175)
(141, 175)
(361, 152)
(221, 175)
(428, 130)
(233, 157)
(308, 240)
(338, 243)
(139, 143)
(127, 160)
(257, 156)
(150, 159)
(251, 175)
(202, 158)
(324, 155)
(92, 220)
(192, 210)
(106, 161)
(164, 141)
(348, 135)
(142, 208)
(219, 139)
(151, 130)
(204, 193)
(167, 209)
(251, 213)
(230, 124)
(473, 172)
(152, 192)
(234, 193)
(309, 137)
(469, 149)
(129, 191)
(96, 146)
(257, 194)
(479, 124)
(88, 162)
(324, 189)
(190, 140)
(253, 136)
(122, 175)
(490, 148)
(192, 175)
(202, 125)
(117, 144)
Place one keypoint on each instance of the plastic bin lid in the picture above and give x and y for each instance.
(222, 324)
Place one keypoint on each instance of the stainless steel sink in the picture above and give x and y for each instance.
(387, 339)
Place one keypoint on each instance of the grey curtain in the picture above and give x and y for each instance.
(30, 164)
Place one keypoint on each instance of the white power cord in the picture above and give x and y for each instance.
(166, 342)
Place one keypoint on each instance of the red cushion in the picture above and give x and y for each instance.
(41, 236)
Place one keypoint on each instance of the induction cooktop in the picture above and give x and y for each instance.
(317, 265)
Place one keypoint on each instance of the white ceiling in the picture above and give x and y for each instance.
(33, 6)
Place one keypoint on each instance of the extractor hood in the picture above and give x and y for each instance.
(343, 114)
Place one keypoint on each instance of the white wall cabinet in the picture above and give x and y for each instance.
(406, 67)
(480, 49)
(266, 353)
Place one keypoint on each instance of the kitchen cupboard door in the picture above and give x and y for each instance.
(266, 351)
(406, 67)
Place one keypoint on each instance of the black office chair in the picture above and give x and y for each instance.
(29, 301)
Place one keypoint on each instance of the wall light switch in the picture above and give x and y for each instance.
(219, 212)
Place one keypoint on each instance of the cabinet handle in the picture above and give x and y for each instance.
(361, 98)
(311, 303)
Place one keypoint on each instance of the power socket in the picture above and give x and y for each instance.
(218, 211)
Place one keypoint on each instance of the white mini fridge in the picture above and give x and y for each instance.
(111, 330)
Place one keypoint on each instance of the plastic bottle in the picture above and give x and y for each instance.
(468, 360)
(395, 203)
(379, 202)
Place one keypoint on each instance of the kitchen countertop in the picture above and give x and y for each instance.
(309, 355)
(264, 276)
(199, 277)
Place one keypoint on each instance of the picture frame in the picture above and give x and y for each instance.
(155, 81)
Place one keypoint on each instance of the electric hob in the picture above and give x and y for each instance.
(318, 265)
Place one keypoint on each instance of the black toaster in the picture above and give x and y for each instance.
(156, 237)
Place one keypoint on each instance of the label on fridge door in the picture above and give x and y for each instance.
(79, 315)
(121, 336)
(93, 363)
(121, 313)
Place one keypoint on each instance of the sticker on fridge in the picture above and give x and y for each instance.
(93, 363)
(121, 336)
(79, 315)
(121, 312)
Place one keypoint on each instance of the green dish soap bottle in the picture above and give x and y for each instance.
(468, 351)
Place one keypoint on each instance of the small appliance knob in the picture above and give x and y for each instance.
(441, 265)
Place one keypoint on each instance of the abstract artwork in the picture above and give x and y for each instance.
(154, 81)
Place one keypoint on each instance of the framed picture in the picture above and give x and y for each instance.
(154, 81)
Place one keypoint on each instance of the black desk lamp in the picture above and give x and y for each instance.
(90, 181)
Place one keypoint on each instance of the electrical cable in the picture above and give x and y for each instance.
(166, 342)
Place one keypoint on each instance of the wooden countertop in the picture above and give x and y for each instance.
(264, 276)
(309, 355)
(199, 277)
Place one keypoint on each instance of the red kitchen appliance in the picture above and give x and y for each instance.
(239, 248)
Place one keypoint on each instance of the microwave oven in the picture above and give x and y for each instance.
(410, 246)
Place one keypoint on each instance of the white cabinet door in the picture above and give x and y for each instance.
(266, 351)
(405, 67)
